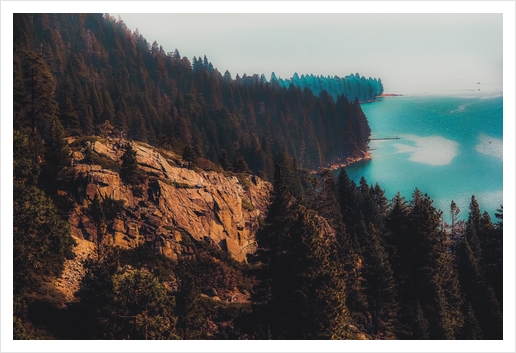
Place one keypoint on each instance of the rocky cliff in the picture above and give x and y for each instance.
(172, 202)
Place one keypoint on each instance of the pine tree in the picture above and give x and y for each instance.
(420, 328)
(379, 286)
(69, 117)
(188, 302)
(41, 244)
(478, 293)
(144, 302)
(28, 149)
(224, 161)
(348, 200)
(473, 229)
(129, 169)
(302, 293)
(57, 156)
(348, 251)
(471, 329)
(41, 89)
(96, 310)
(98, 216)
(189, 156)
(240, 166)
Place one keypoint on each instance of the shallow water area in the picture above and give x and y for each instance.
(449, 147)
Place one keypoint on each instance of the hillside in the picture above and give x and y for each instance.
(173, 202)
(94, 69)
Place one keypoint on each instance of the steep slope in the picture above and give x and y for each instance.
(175, 202)
(93, 69)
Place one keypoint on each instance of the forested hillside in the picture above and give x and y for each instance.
(165, 216)
(103, 71)
(353, 87)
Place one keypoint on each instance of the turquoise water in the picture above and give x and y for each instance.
(449, 148)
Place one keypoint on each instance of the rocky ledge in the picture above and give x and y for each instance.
(173, 202)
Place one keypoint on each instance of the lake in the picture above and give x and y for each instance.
(448, 147)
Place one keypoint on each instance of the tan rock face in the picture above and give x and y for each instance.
(176, 202)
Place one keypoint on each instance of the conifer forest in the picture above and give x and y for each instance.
(317, 256)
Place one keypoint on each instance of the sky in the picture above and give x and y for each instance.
(411, 53)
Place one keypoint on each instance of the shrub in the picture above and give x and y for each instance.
(247, 205)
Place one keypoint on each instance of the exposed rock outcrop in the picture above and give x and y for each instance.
(176, 202)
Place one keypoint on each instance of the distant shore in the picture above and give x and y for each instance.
(381, 96)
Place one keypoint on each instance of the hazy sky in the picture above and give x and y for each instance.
(411, 53)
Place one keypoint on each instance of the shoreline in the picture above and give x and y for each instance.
(349, 161)
(383, 95)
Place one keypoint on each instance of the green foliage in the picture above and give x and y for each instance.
(57, 156)
(20, 332)
(92, 157)
(144, 257)
(98, 216)
(124, 303)
(27, 149)
(40, 87)
(379, 285)
(190, 313)
(247, 205)
(224, 161)
(144, 302)
(242, 179)
(302, 292)
(476, 286)
(79, 142)
(41, 240)
(129, 169)
(240, 166)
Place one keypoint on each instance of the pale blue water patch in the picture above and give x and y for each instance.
(449, 148)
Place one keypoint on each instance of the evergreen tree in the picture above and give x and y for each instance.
(420, 330)
(96, 309)
(41, 89)
(98, 217)
(142, 300)
(69, 117)
(348, 200)
(129, 169)
(455, 224)
(328, 204)
(224, 161)
(189, 310)
(240, 166)
(471, 329)
(328, 207)
(379, 286)
(473, 229)
(27, 152)
(57, 156)
(189, 156)
(302, 295)
(41, 243)
(478, 293)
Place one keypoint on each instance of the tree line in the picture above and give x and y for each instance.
(353, 87)
(102, 71)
